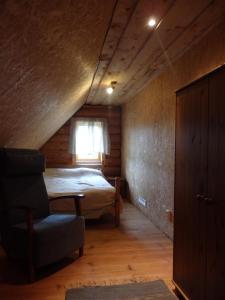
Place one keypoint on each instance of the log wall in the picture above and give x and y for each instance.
(56, 149)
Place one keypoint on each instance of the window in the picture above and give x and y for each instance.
(89, 140)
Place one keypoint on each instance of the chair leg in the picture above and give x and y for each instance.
(30, 245)
(31, 272)
(81, 251)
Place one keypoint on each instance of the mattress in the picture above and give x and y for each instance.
(99, 194)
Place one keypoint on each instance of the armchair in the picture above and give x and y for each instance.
(28, 231)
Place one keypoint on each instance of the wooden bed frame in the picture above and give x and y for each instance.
(117, 201)
(116, 182)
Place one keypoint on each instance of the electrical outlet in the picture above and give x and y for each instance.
(169, 215)
(142, 201)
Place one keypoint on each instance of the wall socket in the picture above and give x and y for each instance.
(142, 201)
(169, 215)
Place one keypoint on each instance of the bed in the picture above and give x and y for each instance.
(100, 196)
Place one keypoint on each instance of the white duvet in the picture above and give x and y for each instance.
(99, 194)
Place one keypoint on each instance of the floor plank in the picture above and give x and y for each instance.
(137, 251)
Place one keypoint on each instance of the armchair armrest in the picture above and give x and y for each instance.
(29, 215)
(77, 198)
(23, 207)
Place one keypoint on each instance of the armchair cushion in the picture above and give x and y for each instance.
(23, 162)
(24, 202)
(22, 184)
(54, 237)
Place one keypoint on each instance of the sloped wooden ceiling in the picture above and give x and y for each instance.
(59, 54)
(134, 53)
(49, 51)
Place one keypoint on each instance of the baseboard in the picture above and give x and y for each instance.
(180, 290)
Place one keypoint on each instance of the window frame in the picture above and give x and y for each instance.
(89, 162)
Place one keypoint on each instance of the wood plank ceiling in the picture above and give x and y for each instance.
(134, 53)
(50, 50)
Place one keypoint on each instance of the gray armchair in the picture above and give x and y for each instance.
(28, 231)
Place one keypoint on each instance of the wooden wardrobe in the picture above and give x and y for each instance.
(199, 207)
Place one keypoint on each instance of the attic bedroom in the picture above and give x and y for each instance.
(112, 149)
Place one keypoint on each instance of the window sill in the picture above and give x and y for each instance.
(89, 165)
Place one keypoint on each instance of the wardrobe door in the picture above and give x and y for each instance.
(215, 284)
(190, 186)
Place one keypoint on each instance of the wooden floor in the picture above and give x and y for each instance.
(136, 251)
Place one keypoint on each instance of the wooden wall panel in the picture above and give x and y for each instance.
(56, 149)
(149, 129)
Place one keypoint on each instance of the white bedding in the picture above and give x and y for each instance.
(99, 194)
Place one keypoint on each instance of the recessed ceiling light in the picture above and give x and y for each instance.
(151, 22)
(109, 90)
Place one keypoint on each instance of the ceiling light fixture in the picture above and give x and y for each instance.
(110, 89)
(152, 22)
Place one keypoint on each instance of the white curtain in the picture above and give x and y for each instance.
(89, 135)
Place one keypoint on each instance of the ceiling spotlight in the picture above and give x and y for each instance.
(151, 22)
(109, 90)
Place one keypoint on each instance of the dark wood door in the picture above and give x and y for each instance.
(190, 185)
(215, 284)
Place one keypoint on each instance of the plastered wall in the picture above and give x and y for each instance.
(49, 52)
(148, 128)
